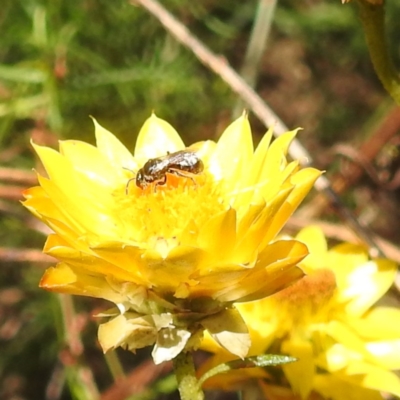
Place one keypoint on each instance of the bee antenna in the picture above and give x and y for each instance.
(127, 185)
(130, 180)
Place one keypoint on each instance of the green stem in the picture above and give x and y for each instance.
(256, 47)
(114, 365)
(188, 385)
(373, 20)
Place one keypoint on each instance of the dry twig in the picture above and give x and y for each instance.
(137, 381)
(24, 255)
(18, 175)
(221, 67)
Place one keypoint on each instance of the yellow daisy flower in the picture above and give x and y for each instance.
(171, 235)
(346, 347)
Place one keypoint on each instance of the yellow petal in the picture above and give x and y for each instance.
(226, 278)
(40, 204)
(64, 279)
(277, 181)
(165, 273)
(157, 138)
(275, 270)
(256, 234)
(378, 323)
(277, 282)
(56, 205)
(386, 353)
(218, 237)
(376, 378)
(260, 158)
(344, 335)
(126, 257)
(234, 151)
(116, 153)
(36, 201)
(85, 261)
(251, 214)
(275, 159)
(78, 207)
(88, 160)
(303, 181)
(335, 388)
(73, 193)
(315, 240)
(368, 283)
(300, 373)
(344, 258)
(337, 357)
(276, 253)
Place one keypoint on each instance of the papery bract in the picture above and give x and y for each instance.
(184, 250)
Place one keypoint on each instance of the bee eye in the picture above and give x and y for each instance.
(139, 178)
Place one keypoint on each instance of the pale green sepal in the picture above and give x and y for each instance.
(136, 295)
(162, 320)
(128, 333)
(170, 342)
(111, 312)
(229, 330)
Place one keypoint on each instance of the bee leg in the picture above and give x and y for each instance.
(160, 182)
(181, 174)
(194, 182)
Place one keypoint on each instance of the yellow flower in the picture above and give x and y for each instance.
(346, 347)
(173, 255)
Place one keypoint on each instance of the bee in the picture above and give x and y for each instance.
(184, 163)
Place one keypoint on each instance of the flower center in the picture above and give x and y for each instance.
(174, 211)
(309, 299)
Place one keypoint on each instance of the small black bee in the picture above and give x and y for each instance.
(184, 163)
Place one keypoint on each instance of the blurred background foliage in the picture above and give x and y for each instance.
(62, 61)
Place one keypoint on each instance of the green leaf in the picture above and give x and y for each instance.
(22, 74)
(265, 360)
